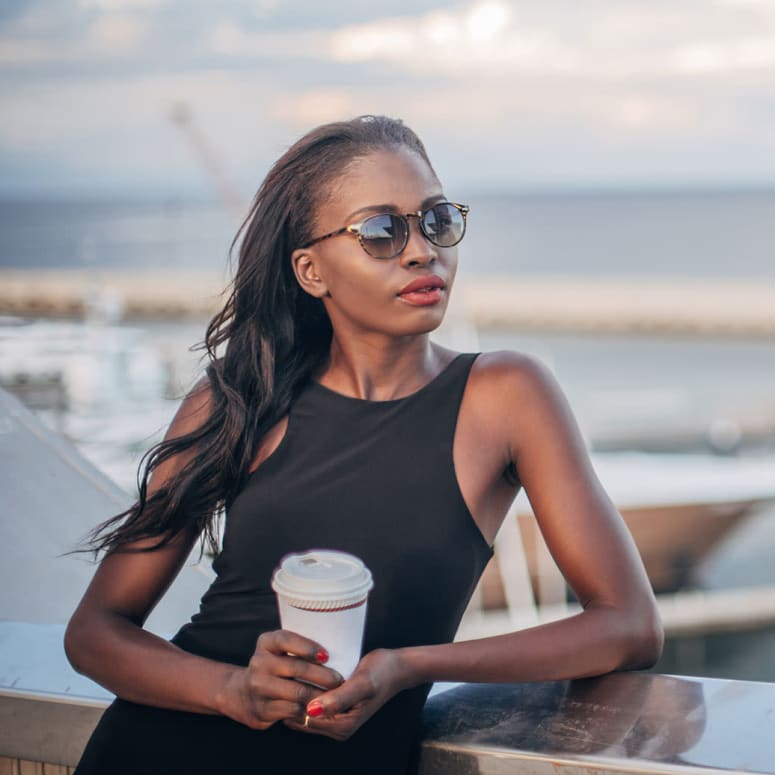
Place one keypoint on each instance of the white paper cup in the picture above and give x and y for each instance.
(322, 594)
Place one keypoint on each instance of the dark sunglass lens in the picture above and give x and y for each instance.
(383, 236)
(443, 225)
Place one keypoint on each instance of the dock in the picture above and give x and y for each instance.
(626, 305)
(579, 304)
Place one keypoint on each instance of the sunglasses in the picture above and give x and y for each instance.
(387, 234)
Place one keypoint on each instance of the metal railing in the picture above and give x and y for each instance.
(619, 723)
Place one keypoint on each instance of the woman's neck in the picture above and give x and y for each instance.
(376, 372)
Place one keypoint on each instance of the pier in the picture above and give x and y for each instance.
(627, 305)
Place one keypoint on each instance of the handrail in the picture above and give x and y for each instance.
(622, 722)
(618, 723)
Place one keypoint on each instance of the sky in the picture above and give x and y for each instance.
(527, 94)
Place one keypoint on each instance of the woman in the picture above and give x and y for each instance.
(332, 420)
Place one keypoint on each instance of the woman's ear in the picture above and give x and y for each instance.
(307, 275)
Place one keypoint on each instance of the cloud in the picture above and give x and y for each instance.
(712, 57)
(121, 5)
(656, 115)
(101, 129)
(483, 35)
(316, 106)
(25, 52)
(597, 39)
(117, 34)
(549, 88)
(52, 35)
(230, 39)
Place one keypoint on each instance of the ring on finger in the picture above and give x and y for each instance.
(306, 719)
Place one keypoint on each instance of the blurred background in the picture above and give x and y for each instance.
(619, 160)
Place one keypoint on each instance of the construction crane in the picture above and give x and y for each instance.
(228, 191)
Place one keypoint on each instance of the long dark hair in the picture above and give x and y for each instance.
(275, 336)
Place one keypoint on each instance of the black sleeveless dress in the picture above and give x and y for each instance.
(372, 478)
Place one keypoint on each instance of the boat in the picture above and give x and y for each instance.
(678, 508)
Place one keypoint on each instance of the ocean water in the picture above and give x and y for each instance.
(689, 233)
(662, 234)
(191, 236)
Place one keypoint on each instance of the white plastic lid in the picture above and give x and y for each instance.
(322, 579)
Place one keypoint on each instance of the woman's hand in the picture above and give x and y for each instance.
(379, 676)
(271, 687)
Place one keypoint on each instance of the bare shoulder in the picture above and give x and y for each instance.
(517, 398)
(512, 374)
(192, 415)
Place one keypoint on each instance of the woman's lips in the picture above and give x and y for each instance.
(424, 291)
(423, 298)
(426, 282)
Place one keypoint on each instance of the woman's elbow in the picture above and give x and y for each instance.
(76, 641)
(643, 639)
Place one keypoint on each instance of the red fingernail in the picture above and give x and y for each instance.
(315, 709)
(322, 655)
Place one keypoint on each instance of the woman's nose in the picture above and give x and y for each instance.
(419, 250)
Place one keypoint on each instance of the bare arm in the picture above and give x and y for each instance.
(619, 626)
(105, 638)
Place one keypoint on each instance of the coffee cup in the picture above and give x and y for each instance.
(322, 594)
